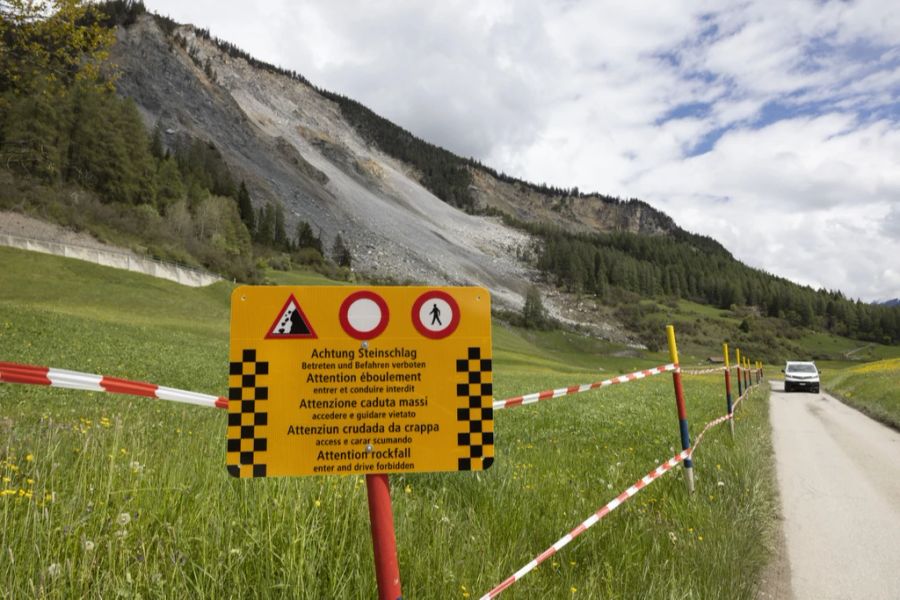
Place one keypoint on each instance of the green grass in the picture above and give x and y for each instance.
(872, 388)
(299, 277)
(688, 308)
(116, 495)
(845, 350)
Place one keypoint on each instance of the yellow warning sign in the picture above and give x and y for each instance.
(355, 380)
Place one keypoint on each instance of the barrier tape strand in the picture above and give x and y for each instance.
(578, 389)
(709, 371)
(590, 522)
(76, 380)
(610, 506)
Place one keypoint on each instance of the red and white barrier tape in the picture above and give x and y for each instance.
(610, 506)
(703, 371)
(589, 522)
(577, 389)
(17, 373)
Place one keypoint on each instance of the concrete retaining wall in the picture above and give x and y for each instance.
(119, 260)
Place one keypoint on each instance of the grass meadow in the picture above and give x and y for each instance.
(873, 388)
(118, 496)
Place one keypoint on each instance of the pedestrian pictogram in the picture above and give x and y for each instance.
(364, 315)
(291, 322)
(435, 314)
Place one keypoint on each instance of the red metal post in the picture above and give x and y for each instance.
(682, 411)
(747, 373)
(384, 542)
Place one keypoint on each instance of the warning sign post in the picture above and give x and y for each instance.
(352, 380)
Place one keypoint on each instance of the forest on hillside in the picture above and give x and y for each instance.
(63, 128)
(65, 133)
(697, 268)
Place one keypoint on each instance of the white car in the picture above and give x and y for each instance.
(801, 376)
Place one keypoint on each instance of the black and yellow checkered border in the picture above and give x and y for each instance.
(247, 417)
(475, 410)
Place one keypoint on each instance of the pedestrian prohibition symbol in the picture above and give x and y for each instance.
(359, 380)
(435, 314)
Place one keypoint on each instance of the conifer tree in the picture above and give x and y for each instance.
(169, 187)
(245, 207)
(265, 229)
(279, 234)
(340, 253)
(306, 238)
(534, 315)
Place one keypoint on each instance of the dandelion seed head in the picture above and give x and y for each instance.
(123, 519)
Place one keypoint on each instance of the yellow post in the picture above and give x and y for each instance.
(728, 389)
(682, 411)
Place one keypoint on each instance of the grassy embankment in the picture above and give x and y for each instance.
(874, 388)
(702, 329)
(106, 495)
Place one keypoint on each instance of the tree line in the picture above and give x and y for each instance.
(697, 268)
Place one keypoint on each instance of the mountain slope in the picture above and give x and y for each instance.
(291, 145)
(294, 145)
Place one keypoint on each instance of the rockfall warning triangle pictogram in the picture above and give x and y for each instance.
(291, 322)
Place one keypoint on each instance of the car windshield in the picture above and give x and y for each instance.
(801, 368)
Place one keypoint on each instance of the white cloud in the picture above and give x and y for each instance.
(795, 106)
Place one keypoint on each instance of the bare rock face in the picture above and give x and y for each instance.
(292, 145)
(580, 213)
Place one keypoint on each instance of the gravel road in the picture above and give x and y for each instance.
(839, 476)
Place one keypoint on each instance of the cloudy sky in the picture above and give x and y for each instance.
(771, 126)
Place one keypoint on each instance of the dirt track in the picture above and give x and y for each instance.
(839, 478)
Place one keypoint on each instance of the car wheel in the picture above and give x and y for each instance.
(787, 388)
(815, 390)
